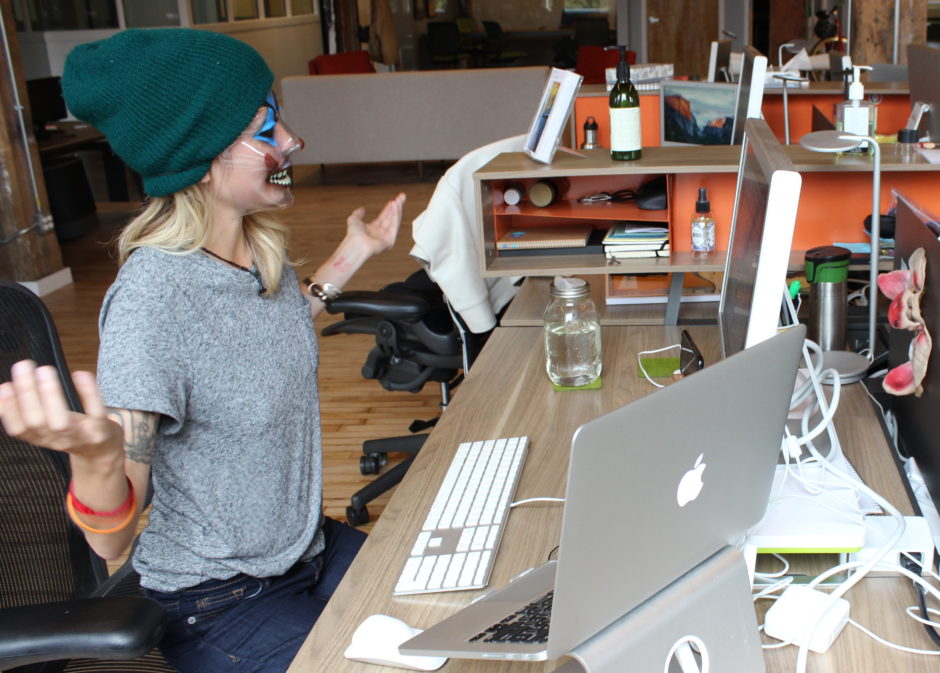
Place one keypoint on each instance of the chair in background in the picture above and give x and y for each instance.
(416, 342)
(445, 44)
(494, 46)
(592, 31)
(347, 62)
(59, 611)
(594, 60)
(431, 326)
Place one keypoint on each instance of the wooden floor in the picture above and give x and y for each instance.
(352, 408)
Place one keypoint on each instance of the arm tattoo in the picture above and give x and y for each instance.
(140, 432)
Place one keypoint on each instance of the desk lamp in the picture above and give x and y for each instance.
(787, 77)
(792, 47)
(841, 141)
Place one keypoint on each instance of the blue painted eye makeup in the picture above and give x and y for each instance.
(272, 115)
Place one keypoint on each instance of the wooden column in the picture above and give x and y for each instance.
(32, 255)
(873, 29)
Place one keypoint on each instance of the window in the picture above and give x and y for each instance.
(245, 9)
(275, 8)
(77, 15)
(586, 6)
(151, 14)
(298, 7)
(209, 11)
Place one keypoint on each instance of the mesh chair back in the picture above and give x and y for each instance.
(42, 556)
(443, 38)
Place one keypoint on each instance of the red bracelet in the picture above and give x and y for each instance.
(120, 509)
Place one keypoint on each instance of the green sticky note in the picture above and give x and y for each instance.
(657, 368)
(596, 385)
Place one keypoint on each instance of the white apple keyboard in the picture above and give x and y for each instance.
(456, 547)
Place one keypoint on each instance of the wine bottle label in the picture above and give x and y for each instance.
(625, 129)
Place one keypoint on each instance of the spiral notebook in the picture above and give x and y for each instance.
(566, 236)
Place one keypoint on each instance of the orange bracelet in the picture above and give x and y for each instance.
(73, 515)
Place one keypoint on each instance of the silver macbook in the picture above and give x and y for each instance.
(654, 488)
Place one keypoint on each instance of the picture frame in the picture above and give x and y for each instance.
(435, 7)
(554, 108)
(420, 9)
(697, 113)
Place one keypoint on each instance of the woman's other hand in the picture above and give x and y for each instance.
(33, 408)
(379, 234)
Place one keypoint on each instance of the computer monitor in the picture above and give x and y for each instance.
(46, 104)
(750, 91)
(696, 113)
(764, 215)
(719, 61)
(923, 64)
(917, 419)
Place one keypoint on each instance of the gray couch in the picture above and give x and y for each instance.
(408, 116)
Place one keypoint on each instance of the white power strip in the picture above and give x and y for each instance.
(916, 541)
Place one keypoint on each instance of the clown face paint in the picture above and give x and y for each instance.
(254, 173)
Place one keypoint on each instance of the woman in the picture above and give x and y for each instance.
(206, 380)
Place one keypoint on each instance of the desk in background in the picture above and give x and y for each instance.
(508, 394)
(893, 109)
(71, 137)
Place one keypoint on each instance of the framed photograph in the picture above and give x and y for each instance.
(697, 113)
(435, 7)
(552, 113)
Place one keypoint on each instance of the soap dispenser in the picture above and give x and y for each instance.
(624, 102)
(857, 115)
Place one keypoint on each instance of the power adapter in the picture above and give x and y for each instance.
(916, 541)
(801, 613)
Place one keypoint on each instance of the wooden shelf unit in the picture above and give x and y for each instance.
(835, 198)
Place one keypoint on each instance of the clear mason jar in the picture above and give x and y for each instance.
(572, 334)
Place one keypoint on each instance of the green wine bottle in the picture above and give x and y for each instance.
(625, 143)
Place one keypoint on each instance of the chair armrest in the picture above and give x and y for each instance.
(387, 305)
(121, 627)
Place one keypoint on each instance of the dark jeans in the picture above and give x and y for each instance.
(254, 624)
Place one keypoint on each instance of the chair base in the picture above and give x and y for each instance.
(356, 513)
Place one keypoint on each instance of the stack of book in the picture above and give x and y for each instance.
(632, 240)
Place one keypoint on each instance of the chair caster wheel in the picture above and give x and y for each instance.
(372, 463)
(357, 517)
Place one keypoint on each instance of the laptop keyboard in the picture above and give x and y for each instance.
(456, 547)
(529, 624)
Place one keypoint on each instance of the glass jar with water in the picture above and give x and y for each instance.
(572, 334)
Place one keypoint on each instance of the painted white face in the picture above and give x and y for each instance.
(254, 172)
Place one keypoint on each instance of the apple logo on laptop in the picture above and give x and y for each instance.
(691, 483)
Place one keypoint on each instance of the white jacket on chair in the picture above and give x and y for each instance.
(447, 241)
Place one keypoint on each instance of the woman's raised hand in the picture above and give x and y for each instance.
(33, 408)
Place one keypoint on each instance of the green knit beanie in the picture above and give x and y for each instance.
(169, 100)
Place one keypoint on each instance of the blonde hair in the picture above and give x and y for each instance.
(178, 224)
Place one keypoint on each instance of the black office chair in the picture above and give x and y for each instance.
(417, 340)
(494, 46)
(59, 611)
(445, 44)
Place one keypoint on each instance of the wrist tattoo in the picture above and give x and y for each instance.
(341, 263)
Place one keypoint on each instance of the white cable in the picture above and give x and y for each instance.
(528, 500)
(862, 569)
(888, 643)
(913, 610)
(639, 361)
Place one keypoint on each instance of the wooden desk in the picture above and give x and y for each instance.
(506, 394)
(76, 136)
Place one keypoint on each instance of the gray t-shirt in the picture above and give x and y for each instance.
(237, 471)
